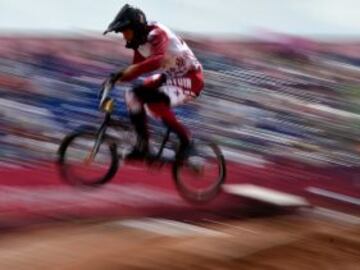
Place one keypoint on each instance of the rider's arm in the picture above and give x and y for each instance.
(159, 43)
(115, 76)
(137, 57)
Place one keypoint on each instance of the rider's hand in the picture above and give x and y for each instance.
(114, 77)
(110, 82)
(107, 85)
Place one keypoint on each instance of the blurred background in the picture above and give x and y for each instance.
(282, 80)
(281, 99)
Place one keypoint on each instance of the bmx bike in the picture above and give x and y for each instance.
(90, 156)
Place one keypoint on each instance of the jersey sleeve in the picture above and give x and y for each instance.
(159, 41)
(137, 57)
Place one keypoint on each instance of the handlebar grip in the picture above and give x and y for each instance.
(114, 77)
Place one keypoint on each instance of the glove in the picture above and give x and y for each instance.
(114, 77)
(107, 85)
(110, 82)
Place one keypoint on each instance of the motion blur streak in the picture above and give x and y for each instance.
(285, 113)
(294, 98)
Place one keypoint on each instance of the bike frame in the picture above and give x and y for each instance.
(157, 160)
(107, 122)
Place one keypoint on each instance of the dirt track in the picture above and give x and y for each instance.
(273, 243)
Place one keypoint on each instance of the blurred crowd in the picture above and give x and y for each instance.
(264, 100)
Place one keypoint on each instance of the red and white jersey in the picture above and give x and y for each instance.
(166, 52)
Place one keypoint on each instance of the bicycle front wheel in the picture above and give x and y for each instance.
(199, 178)
(80, 165)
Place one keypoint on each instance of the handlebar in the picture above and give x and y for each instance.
(108, 85)
(105, 92)
(106, 103)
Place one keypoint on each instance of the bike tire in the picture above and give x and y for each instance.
(209, 194)
(65, 173)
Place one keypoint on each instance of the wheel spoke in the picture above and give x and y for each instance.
(83, 164)
(200, 177)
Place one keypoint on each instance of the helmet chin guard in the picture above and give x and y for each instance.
(132, 18)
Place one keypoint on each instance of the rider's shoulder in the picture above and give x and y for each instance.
(158, 31)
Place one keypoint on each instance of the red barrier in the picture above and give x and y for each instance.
(39, 193)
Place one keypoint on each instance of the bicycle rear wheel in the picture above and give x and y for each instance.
(200, 176)
(79, 167)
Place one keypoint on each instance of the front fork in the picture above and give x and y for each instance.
(98, 139)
